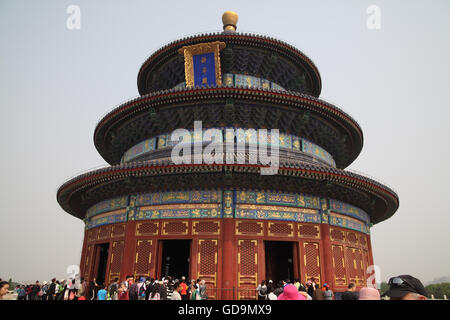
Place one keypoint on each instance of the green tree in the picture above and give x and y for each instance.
(12, 284)
(384, 287)
(439, 290)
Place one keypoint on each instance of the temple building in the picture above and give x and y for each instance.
(226, 222)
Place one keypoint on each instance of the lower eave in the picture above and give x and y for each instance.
(75, 196)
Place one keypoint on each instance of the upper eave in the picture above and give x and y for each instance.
(288, 51)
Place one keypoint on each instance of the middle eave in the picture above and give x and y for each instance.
(294, 113)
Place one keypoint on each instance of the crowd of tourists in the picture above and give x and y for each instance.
(311, 290)
(403, 287)
(140, 288)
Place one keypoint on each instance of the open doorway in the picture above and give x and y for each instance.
(102, 262)
(279, 260)
(175, 258)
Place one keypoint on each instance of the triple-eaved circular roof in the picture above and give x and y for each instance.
(164, 106)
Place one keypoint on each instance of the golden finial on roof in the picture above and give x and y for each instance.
(229, 19)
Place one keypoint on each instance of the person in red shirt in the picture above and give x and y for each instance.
(123, 292)
(184, 287)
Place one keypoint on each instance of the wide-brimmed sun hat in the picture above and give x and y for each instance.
(290, 292)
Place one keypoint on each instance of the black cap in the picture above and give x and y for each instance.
(401, 285)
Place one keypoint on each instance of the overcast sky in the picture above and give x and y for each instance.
(56, 84)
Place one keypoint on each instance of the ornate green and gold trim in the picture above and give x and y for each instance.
(232, 203)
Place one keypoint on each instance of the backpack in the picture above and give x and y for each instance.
(155, 297)
(112, 289)
(142, 291)
(133, 292)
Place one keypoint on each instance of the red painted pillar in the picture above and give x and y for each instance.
(369, 249)
(154, 253)
(301, 259)
(295, 260)
(370, 257)
(193, 259)
(83, 254)
(261, 262)
(160, 263)
(327, 261)
(229, 262)
(129, 250)
(219, 259)
(96, 261)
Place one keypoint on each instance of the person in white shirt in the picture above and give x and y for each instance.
(272, 296)
(176, 292)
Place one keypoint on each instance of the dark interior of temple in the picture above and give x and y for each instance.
(279, 260)
(102, 257)
(175, 258)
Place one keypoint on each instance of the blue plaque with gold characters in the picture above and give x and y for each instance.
(204, 69)
(202, 64)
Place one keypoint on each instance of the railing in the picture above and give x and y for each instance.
(443, 298)
(11, 295)
(231, 293)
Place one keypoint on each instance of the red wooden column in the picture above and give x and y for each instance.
(193, 259)
(370, 257)
(219, 270)
(96, 261)
(129, 250)
(83, 254)
(228, 270)
(295, 260)
(327, 261)
(369, 249)
(261, 261)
